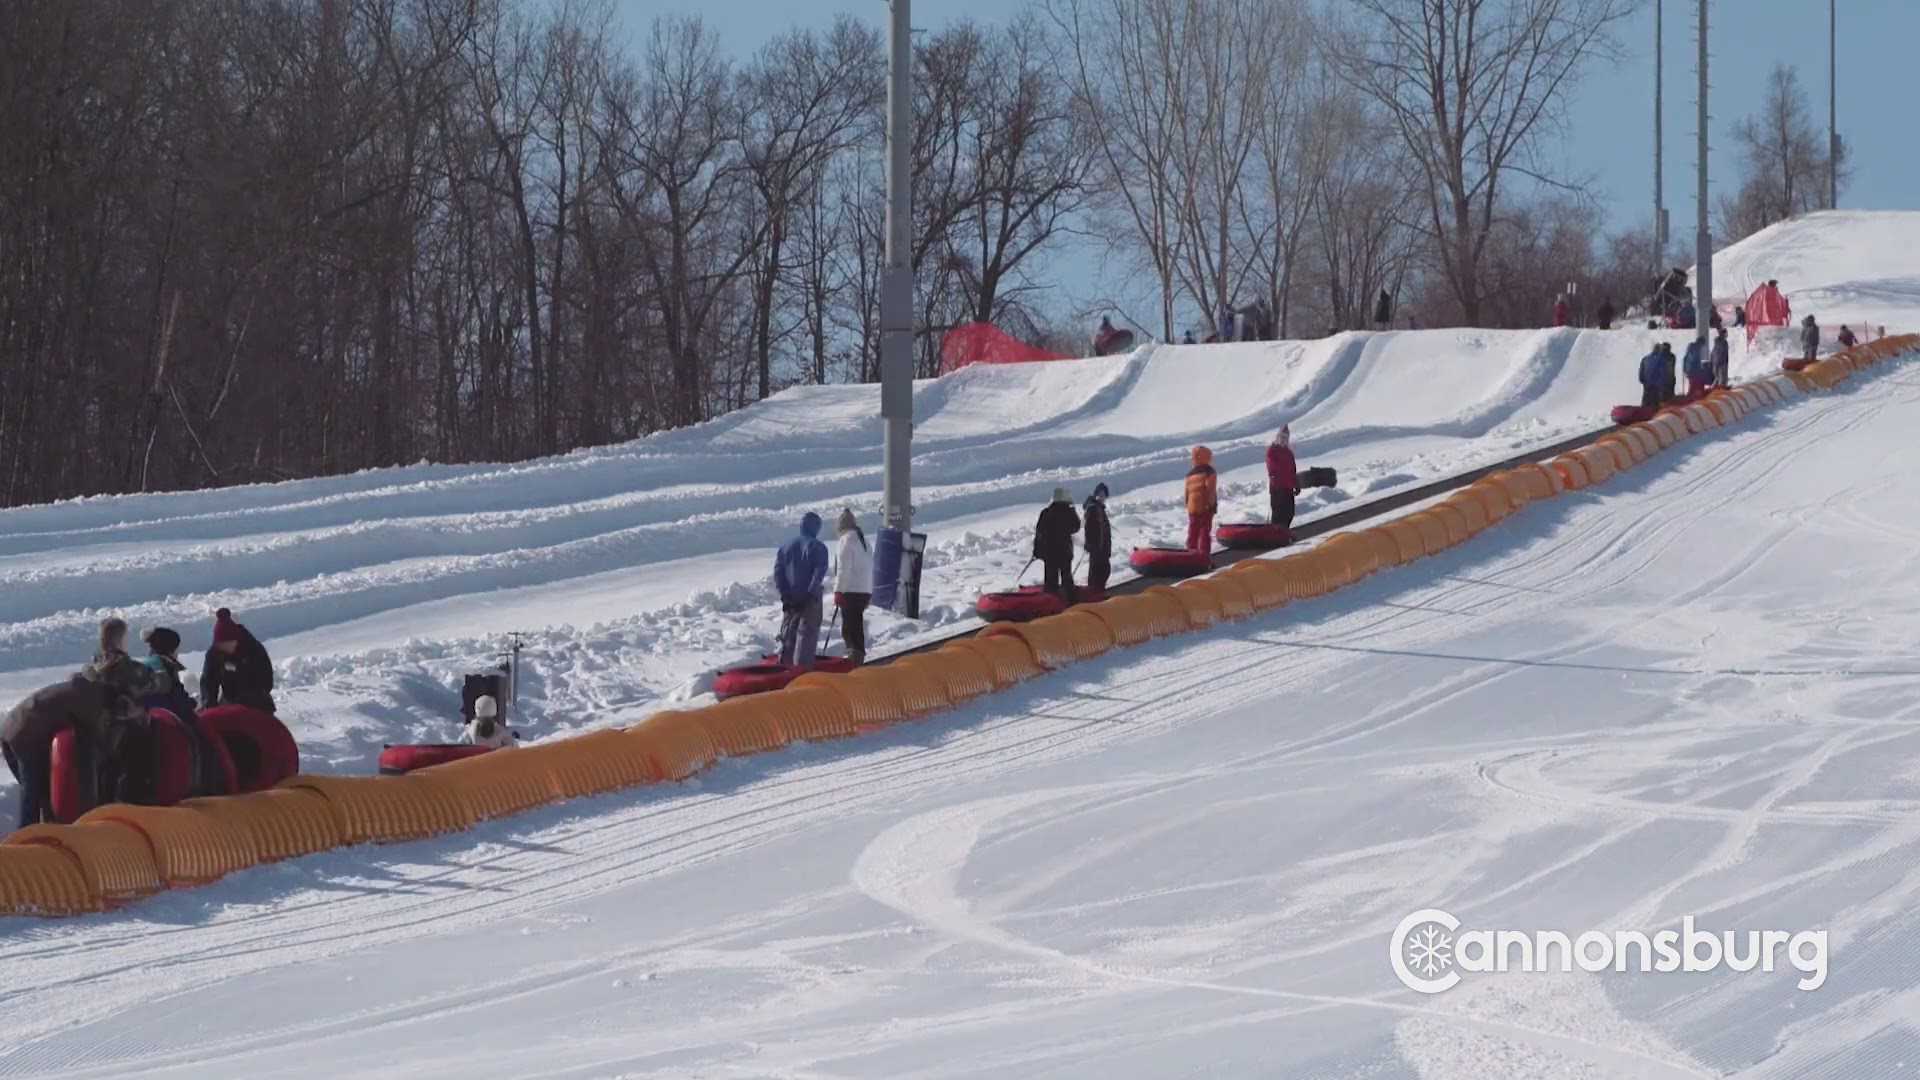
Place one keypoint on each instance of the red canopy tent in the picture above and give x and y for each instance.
(1766, 307)
(985, 343)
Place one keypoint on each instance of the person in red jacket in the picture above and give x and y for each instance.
(1562, 311)
(1283, 478)
(1203, 499)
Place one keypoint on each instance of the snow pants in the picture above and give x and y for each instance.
(800, 632)
(853, 612)
(33, 769)
(1199, 532)
(1059, 579)
(1281, 499)
(1099, 568)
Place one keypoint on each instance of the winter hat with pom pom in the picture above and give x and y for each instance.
(224, 628)
(161, 640)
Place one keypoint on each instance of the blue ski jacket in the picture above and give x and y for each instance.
(800, 568)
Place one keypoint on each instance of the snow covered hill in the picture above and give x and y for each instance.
(1687, 692)
(1841, 266)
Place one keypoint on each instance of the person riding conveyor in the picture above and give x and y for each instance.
(1283, 479)
(1099, 539)
(1203, 501)
(1053, 537)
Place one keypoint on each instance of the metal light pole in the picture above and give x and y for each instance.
(1703, 237)
(896, 287)
(1833, 88)
(1659, 141)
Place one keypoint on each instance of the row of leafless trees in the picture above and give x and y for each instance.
(272, 238)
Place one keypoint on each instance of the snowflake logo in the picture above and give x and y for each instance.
(1430, 950)
(1422, 951)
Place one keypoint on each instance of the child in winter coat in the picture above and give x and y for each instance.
(1099, 539)
(486, 728)
(1203, 500)
(1718, 365)
(800, 575)
(163, 648)
(1810, 338)
(853, 584)
(1283, 478)
(1695, 366)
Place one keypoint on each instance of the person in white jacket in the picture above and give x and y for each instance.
(853, 584)
(486, 728)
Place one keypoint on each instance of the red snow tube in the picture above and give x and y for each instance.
(71, 783)
(260, 750)
(832, 665)
(1798, 363)
(1633, 414)
(1028, 602)
(1254, 534)
(398, 760)
(1171, 562)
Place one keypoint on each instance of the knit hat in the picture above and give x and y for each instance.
(224, 628)
(485, 708)
(848, 522)
(1099, 491)
(1061, 494)
(1282, 437)
(161, 640)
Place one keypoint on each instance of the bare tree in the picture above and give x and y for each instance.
(1472, 86)
(1785, 161)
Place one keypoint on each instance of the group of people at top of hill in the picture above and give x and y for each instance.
(802, 569)
(1053, 533)
(105, 704)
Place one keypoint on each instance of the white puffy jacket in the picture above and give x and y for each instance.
(852, 565)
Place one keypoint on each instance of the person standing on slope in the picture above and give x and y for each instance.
(1652, 369)
(800, 575)
(1695, 367)
(1810, 338)
(1099, 539)
(1053, 544)
(1562, 311)
(1603, 315)
(238, 670)
(1717, 367)
(853, 584)
(1283, 480)
(1845, 337)
(1383, 310)
(1203, 500)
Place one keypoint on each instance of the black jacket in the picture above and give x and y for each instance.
(79, 703)
(1099, 538)
(1053, 534)
(245, 678)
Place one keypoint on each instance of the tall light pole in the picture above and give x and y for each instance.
(1659, 140)
(896, 287)
(1703, 236)
(1833, 109)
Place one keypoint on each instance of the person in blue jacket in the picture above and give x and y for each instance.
(1652, 378)
(1695, 366)
(800, 574)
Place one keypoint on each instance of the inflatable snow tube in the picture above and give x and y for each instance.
(1029, 602)
(166, 775)
(1798, 363)
(1254, 534)
(400, 760)
(69, 780)
(831, 665)
(1118, 341)
(1633, 414)
(754, 679)
(1170, 561)
(260, 748)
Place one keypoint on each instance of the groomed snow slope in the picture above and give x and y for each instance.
(1687, 692)
(639, 566)
(1840, 266)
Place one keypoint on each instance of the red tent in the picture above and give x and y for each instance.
(1766, 307)
(985, 343)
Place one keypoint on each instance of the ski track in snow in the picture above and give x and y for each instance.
(1624, 705)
